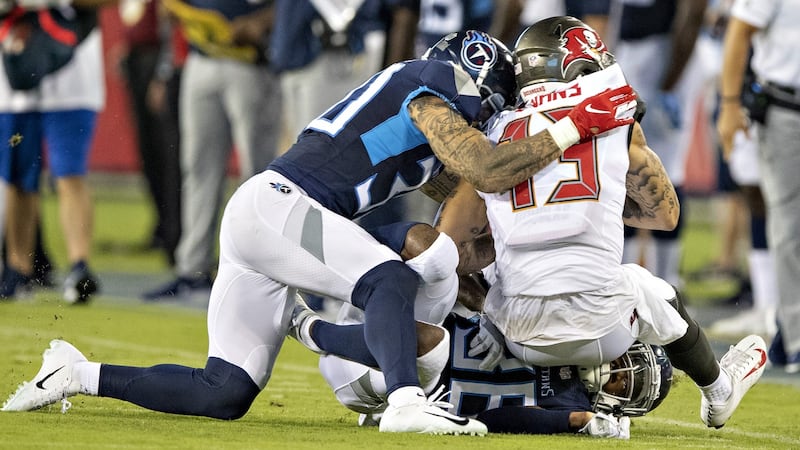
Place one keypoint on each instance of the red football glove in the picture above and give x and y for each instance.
(605, 111)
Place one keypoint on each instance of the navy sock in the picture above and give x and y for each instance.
(386, 294)
(346, 341)
(221, 390)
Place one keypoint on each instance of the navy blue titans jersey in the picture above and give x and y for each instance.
(365, 149)
(511, 383)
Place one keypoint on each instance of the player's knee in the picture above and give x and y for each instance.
(394, 278)
(677, 302)
(229, 390)
(438, 261)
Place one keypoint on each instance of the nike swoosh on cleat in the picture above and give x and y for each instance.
(40, 383)
(459, 421)
(591, 109)
(760, 363)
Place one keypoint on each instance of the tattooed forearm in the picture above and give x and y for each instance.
(468, 153)
(651, 200)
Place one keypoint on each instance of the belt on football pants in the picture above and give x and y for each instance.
(783, 96)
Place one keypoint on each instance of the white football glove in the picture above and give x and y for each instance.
(606, 426)
(489, 340)
(43, 4)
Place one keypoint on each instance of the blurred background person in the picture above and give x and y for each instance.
(229, 98)
(58, 112)
(743, 257)
(769, 28)
(759, 315)
(516, 15)
(322, 50)
(147, 37)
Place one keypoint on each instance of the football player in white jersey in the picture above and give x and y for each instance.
(562, 294)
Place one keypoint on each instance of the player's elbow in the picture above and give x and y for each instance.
(673, 219)
(672, 214)
(668, 221)
(488, 184)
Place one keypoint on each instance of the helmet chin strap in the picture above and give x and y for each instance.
(494, 99)
(482, 74)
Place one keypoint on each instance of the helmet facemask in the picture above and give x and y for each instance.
(631, 385)
(491, 102)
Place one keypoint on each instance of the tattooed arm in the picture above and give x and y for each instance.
(463, 218)
(466, 152)
(651, 202)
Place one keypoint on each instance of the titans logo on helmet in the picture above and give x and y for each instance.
(477, 51)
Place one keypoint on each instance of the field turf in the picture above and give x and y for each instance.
(297, 410)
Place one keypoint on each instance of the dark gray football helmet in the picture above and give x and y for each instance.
(560, 48)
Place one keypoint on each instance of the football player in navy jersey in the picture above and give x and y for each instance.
(513, 397)
(290, 228)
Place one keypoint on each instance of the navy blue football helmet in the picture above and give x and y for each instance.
(631, 385)
(487, 60)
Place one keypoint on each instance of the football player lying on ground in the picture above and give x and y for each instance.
(462, 355)
(511, 397)
(291, 228)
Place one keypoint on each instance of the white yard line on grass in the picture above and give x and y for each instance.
(727, 430)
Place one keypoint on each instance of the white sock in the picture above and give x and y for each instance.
(718, 391)
(431, 364)
(405, 396)
(762, 278)
(89, 375)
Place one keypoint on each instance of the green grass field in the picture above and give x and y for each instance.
(297, 409)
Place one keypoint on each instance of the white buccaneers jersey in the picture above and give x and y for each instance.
(561, 231)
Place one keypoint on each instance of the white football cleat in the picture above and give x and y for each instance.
(427, 416)
(53, 383)
(607, 426)
(744, 363)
